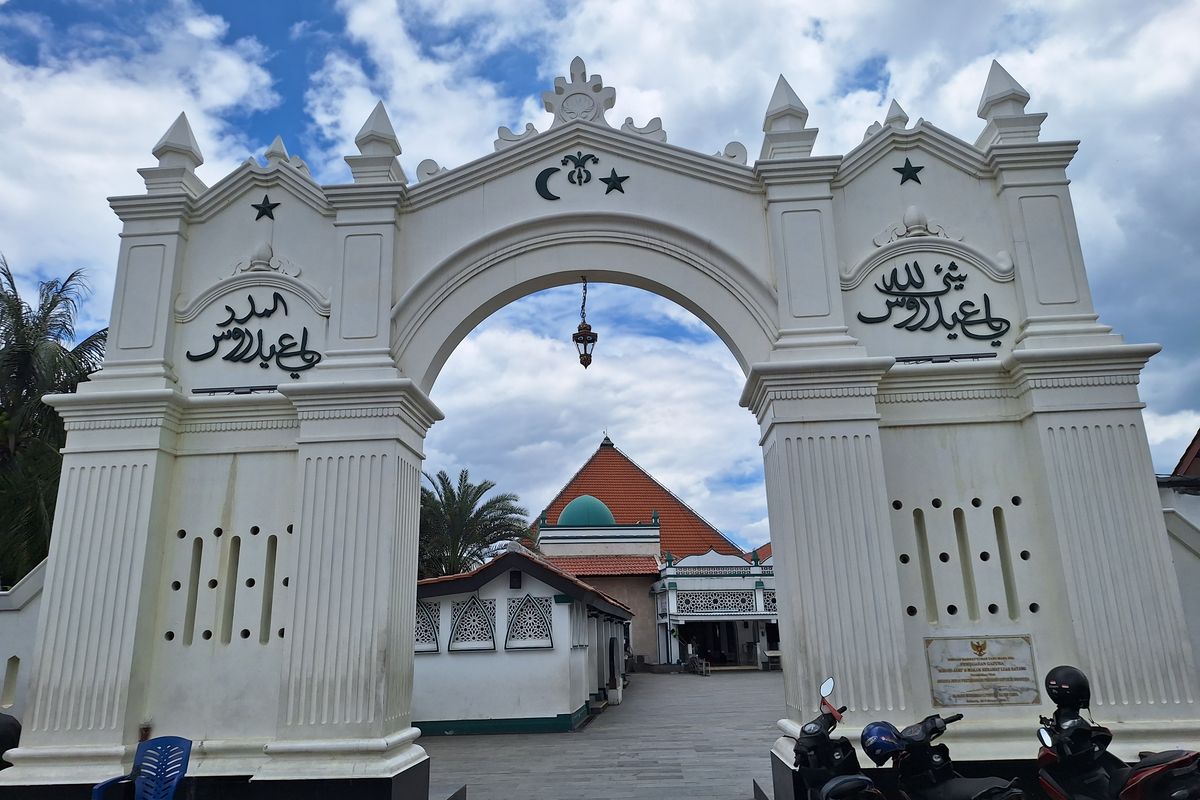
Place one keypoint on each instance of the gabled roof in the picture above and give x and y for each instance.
(521, 559)
(605, 565)
(633, 496)
(1189, 462)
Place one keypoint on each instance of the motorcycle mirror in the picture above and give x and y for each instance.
(1045, 738)
(827, 687)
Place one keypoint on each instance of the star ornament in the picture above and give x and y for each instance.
(908, 172)
(267, 209)
(614, 181)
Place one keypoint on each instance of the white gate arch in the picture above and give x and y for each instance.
(485, 275)
(953, 445)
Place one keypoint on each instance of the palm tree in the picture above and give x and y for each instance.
(38, 357)
(459, 529)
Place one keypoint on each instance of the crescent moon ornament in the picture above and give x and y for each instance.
(541, 182)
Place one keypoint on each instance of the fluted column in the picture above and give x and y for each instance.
(835, 585)
(86, 691)
(1130, 633)
(346, 687)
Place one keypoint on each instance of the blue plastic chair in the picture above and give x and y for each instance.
(158, 768)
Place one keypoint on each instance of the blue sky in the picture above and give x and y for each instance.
(87, 87)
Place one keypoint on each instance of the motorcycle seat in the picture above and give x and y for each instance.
(844, 786)
(1157, 759)
(960, 788)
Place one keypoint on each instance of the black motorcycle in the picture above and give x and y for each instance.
(827, 768)
(924, 770)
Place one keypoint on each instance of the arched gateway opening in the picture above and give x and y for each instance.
(235, 539)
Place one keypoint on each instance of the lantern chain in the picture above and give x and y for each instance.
(583, 305)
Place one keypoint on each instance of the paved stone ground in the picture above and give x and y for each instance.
(674, 736)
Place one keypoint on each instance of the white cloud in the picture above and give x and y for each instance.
(78, 125)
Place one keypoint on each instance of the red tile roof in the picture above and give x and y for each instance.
(505, 560)
(764, 552)
(632, 496)
(605, 565)
(1189, 462)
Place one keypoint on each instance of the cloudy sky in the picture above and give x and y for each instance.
(88, 86)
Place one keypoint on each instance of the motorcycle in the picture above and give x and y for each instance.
(827, 768)
(1074, 762)
(924, 770)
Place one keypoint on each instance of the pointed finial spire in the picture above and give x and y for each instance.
(377, 136)
(896, 118)
(784, 125)
(178, 156)
(785, 112)
(276, 152)
(1002, 106)
(1002, 95)
(178, 147)
(378, 148)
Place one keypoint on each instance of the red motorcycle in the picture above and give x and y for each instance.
(1074, 762)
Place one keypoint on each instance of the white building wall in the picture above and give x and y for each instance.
(1182, 513)
(500, 683)
(19, 608)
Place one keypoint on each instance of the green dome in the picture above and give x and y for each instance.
(585, 511)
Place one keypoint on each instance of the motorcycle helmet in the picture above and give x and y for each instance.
(1068, 687)
(881, 741)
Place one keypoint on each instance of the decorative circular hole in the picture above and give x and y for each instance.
(1024, 555)
(975, 501)
(985, 555)
(937, 502)
(175, 586)
(896, 504)
(206, 635)
(993, 608)
(217, 531)
(245, 633)
(212, 584)
(254, 530)
(285, 581)
(181, 533)
(281, 633)
(169, 636)
(943, 557)
(951, 609)
(289, 528)
(904, 558)
(1016, 501)
(249, 583)
(1034, 608)
(912, 611)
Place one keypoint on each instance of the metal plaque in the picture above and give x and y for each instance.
(982, 671)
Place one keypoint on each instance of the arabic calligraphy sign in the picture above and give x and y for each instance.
(240, 339)
(911, 305)
(982, 671)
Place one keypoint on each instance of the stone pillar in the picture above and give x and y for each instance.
(1130, 634)
(346, 686)
(87, 686)
(835, 579)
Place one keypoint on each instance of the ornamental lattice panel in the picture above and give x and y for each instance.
(715, 602)
(529, 622)
(769, 601)
(474, 626)
(427, 629)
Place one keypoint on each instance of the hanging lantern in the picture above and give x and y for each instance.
(584, 338)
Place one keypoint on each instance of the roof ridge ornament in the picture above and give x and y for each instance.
(378, 148)
(584, 99)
